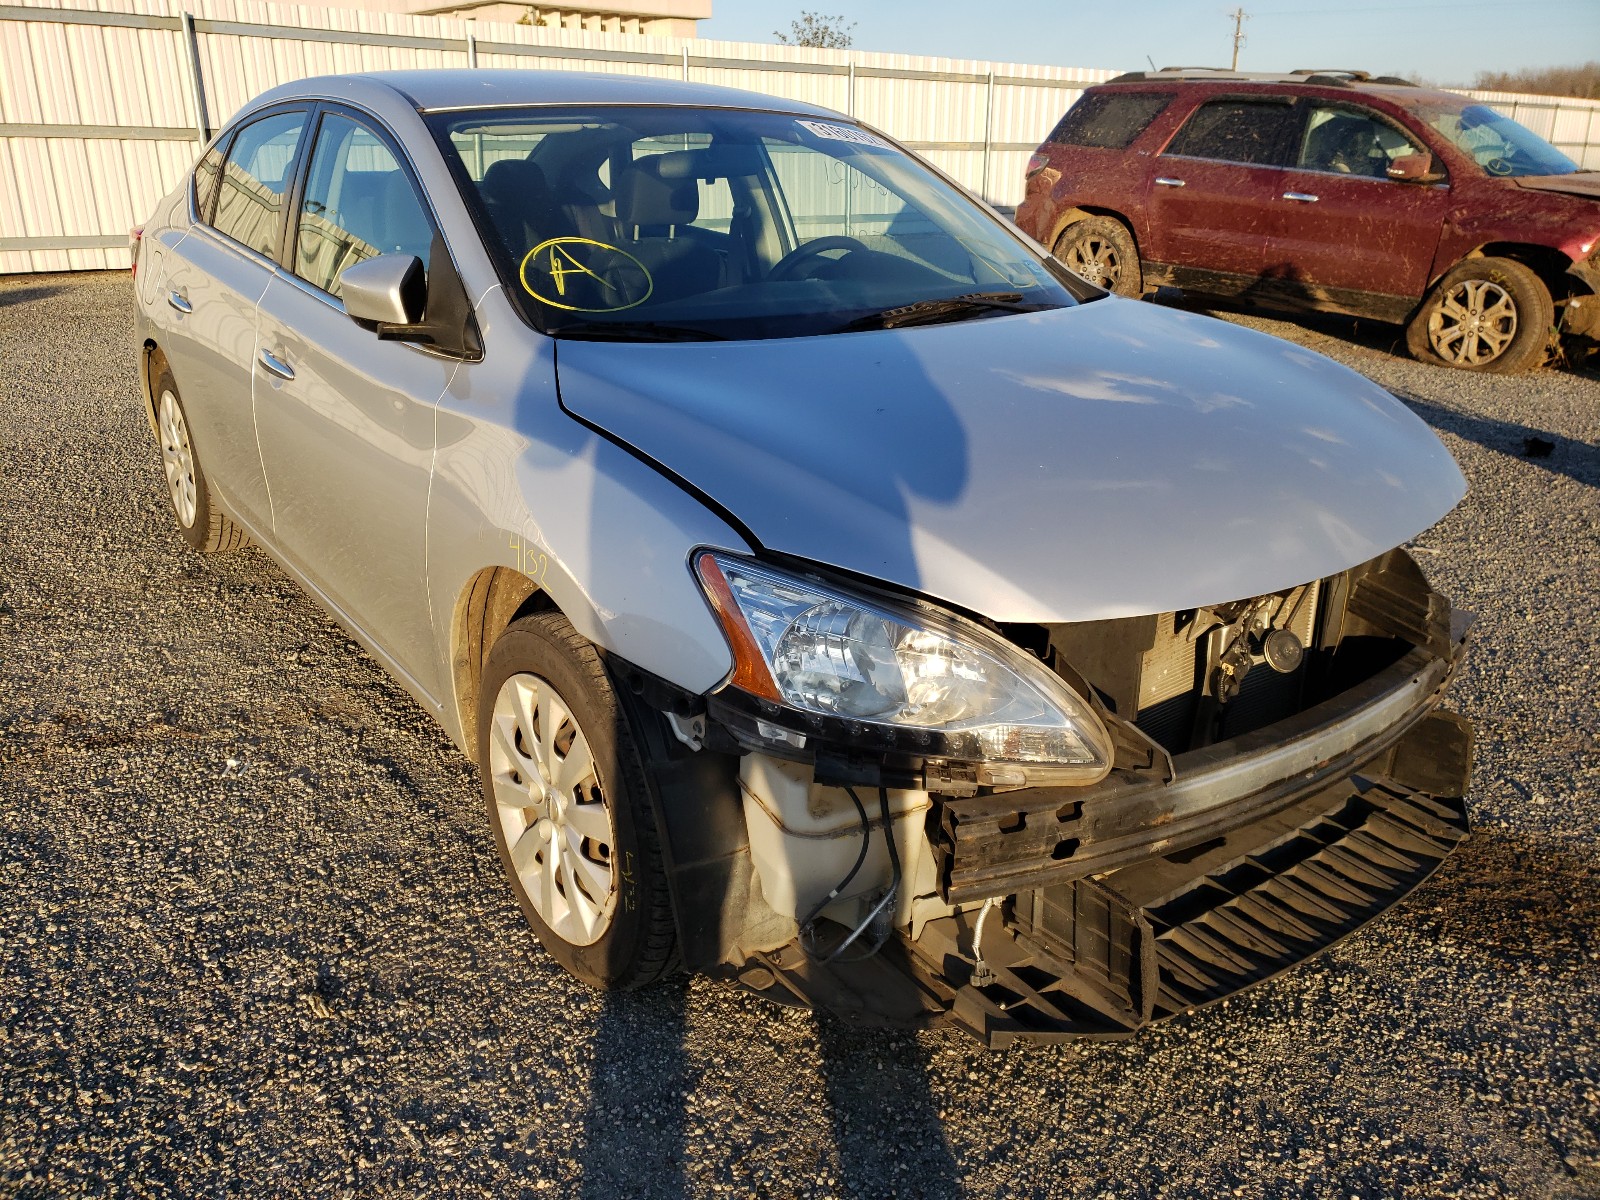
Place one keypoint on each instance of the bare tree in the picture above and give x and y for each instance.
(1581, 81)
(819, 30)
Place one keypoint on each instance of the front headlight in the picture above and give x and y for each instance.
(820, 650)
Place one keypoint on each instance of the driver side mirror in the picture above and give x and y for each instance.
(1412, 168)
(390, 289)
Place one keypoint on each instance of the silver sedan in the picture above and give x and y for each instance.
(836, 593)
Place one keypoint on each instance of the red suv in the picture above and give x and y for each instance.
(1327, 190)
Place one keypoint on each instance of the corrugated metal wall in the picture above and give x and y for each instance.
(99, 109)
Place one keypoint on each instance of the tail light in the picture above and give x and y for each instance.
(1037, 161)
(135, 236)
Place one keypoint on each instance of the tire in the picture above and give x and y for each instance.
(202, 524)
(1486, 314)
(1101, 250)
(581, 851)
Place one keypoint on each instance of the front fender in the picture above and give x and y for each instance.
(519, 484)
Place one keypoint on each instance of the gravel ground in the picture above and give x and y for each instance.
(254, 940)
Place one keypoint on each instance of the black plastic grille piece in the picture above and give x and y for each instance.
(1245, 923)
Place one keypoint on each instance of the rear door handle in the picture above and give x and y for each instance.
(276, 365)
(1165, 182)
(180, 302)
(1303, 197)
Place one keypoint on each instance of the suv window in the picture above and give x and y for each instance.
(1351, 141)
(257, 173)
(1108, 120)
(1242, 131)
(358, 204)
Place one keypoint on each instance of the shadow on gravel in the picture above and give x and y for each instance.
(633, 1139)
(1524, 900)
(1378, 336)
(888, 1138)
(10, 297)
(1559, 455)
(903, 1152)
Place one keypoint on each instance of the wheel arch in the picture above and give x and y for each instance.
(1067, 218)
(152, 361)
(490, 600)
(1548, 263)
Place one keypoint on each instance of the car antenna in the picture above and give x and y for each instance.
(1151, 61)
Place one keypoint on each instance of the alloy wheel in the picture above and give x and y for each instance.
(1473, 323)
(1095, 259)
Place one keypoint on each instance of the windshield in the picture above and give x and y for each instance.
(1497, 143)
(664, 223)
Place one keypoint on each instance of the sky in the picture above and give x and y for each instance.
(1443, 43)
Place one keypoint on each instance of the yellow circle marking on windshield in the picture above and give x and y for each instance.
(563, 258)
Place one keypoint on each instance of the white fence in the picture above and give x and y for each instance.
(102, 108)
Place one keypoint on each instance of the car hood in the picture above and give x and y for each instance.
(1582, 183)
(1106, 460)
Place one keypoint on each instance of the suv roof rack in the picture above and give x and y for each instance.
(1358, 76)
(1318, 76)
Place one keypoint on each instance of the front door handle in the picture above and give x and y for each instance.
(1166, 182)
(180, 302)
(276, 365)
(1303, 197)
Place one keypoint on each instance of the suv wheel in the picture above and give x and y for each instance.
(1101, 250)
(1486, 314)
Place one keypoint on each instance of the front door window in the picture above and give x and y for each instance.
(1348, 141)
(358, 204)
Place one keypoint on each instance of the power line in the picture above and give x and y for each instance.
(1327, 12)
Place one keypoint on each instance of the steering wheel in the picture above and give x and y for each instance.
(1498, 166)
(787, 268)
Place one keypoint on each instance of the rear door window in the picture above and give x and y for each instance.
(207, 175)
(255, 177)
(1258, 132)
(1109, 120)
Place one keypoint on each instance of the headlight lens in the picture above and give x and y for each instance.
(823, 651)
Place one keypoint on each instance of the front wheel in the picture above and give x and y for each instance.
(1101, 250)
(565, 788)
(1486, 314)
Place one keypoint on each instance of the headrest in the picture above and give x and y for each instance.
(512, 181)
(662, 189)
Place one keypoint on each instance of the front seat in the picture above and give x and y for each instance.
(657, 199)
(521, 206)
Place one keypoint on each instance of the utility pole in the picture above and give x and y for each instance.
(1239, 18)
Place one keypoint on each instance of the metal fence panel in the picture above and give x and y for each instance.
(98, 101)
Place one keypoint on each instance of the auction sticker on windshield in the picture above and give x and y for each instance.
(844, 133)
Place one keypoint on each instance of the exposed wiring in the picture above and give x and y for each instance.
(807, 927)
(808, 924)
(981, 974)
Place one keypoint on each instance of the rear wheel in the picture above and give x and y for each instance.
(1101, 250)
(564, 784)
(1486, 314)
(202, 524)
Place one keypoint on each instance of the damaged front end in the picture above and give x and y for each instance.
(1238, 787)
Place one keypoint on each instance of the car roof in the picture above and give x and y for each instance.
(1401, 91)
(470, 88)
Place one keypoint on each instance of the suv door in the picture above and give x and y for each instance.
(1218, 186)
(346, 421)
(214, 278)
(1346, 224)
